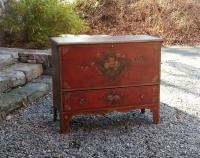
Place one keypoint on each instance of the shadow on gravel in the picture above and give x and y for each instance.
(190, 70)
(123, 121)
(33, 132)
(189, 74)
(194, 51)
(165, 83)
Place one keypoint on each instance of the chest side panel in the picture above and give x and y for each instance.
(108, 98)
(106, 65)
(56, 76)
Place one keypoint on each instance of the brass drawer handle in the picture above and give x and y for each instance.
(82, 101)
(142, 96)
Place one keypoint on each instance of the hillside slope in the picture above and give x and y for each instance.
(176, 21)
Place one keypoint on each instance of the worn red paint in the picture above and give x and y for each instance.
(81, 63)
(96, 78)
(105, 98)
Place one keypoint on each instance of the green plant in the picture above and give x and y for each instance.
(34, 21)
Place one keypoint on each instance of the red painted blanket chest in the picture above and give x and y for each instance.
(96, 74)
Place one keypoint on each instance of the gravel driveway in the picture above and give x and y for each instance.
(31, 132)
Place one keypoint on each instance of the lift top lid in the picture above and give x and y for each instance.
(95, 39)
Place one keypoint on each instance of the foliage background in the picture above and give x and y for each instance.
(30, 23)
(176, 21)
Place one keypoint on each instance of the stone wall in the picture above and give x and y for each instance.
(31, 56)
(21, 77)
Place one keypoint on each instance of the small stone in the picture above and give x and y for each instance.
(2, 115)
(8, 117)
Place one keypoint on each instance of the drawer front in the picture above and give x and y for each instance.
(105, 98)
(105, 65)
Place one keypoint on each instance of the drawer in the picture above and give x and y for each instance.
(106, 65)
(105, 98)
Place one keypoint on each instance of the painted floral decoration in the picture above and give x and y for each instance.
(114, 98)
(112, 64)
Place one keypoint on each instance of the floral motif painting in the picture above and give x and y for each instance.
(112, 64)
(113, 98)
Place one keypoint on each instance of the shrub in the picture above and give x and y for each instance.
(32, 22)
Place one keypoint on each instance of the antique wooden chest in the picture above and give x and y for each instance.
(99, 74)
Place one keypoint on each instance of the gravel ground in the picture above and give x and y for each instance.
(30, 132)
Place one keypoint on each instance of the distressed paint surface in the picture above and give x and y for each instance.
(102, 65)
(98, 78)
(119, 97)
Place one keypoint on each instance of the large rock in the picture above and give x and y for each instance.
(11, 79)
(5, 83)
(11, 51)
(32, 90)
(44, 79)
(31, 71)
(31, 56)
(6, 60)
(34, 56)
(9, 103)
(37, 56)
(16, 78)
(17, 97)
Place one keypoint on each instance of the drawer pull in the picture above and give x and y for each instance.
(82, 101)
(142, 96)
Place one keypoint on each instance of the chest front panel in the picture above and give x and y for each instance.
(108, 98)
(106, 65)
(99, 74)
